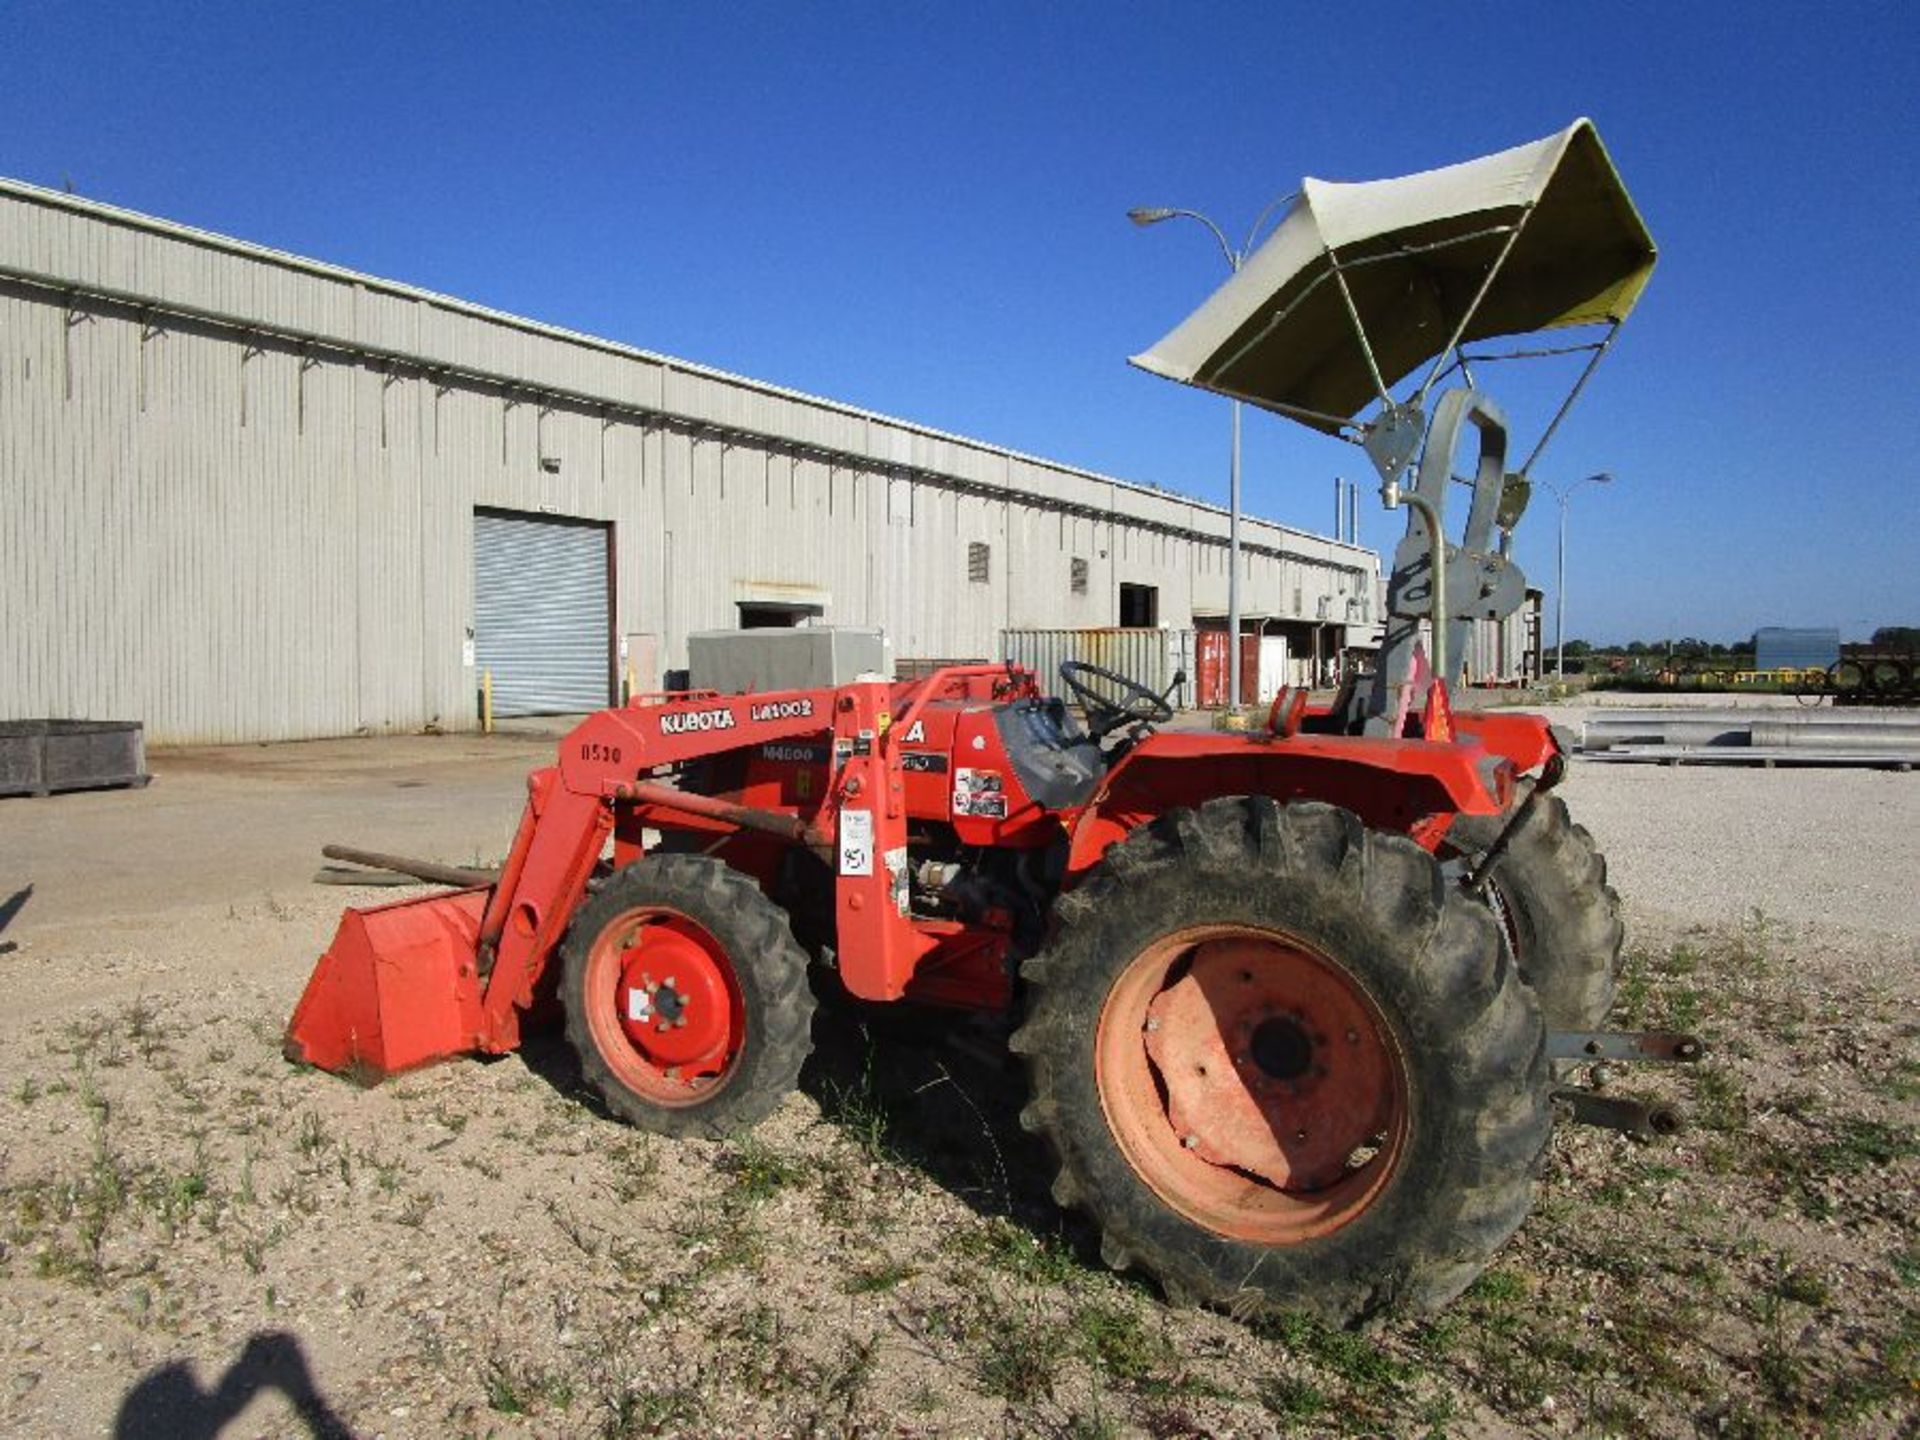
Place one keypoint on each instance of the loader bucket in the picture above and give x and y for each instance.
(395, 990)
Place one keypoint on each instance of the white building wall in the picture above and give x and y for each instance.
(237, 493)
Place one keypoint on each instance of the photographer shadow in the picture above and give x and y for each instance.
(169, 1404)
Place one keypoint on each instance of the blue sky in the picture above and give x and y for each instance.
(920, 209)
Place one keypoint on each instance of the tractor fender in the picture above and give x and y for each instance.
(1410, 787)
(1527, 740)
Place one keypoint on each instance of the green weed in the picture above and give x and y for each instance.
(1017, 1251)
(1803, 1287)
(873, 1279)
(310, 1136)
(1017, 1358)
(1291, 1398)
(1119, 1342)
(758, 1172)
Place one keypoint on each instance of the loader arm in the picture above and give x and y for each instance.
(608, 761)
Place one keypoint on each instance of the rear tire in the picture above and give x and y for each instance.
(686, 997)
(1282, 1064)
(1560, 915)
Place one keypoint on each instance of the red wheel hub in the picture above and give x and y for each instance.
(673, 1019)
(1274, 1074)
(1252, 1083)
(673, 999)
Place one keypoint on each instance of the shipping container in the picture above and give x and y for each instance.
(1150, 657)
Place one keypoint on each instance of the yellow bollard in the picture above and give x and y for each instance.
(486, 702)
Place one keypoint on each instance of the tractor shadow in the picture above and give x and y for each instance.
(937, 1092)
(933, 1091)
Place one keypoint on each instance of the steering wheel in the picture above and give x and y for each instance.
(1137, 704)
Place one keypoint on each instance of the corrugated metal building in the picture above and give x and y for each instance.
(245, 496)
(1507, 652)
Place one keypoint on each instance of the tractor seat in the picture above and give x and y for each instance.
(1348, 714)
(1058, 764)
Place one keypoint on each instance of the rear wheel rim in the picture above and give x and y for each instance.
(1252, 1083)
(664, 1006)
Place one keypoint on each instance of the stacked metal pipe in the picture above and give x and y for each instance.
(1756, 736)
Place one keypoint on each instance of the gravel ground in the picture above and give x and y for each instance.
(1810, 845)
(199, 1239)
(1828, 847)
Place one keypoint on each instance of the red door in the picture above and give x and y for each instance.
(1210, 659)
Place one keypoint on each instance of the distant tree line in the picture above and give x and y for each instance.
(1889, 637)
(1687, 648)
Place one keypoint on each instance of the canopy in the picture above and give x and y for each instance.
(1414, 253)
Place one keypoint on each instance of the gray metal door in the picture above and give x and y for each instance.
(541, 617)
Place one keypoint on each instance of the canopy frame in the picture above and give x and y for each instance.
(1353, 430)
(1586, 269)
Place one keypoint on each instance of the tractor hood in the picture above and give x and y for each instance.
(1414, 254)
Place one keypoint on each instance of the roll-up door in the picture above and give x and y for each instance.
(542, 623)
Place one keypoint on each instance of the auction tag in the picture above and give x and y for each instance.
(856, 842)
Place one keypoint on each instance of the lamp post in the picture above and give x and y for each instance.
(1153, 215)
(1560, 581)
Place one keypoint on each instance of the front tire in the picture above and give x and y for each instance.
(686, 997)
(1281, 1063)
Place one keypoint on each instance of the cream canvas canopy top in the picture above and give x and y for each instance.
(1361, 284)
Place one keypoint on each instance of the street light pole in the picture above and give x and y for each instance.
(1560, 599)
(1560, 574)
(1233, 567)
(1153, 215)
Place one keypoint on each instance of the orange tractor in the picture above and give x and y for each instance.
(1290, 1001)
